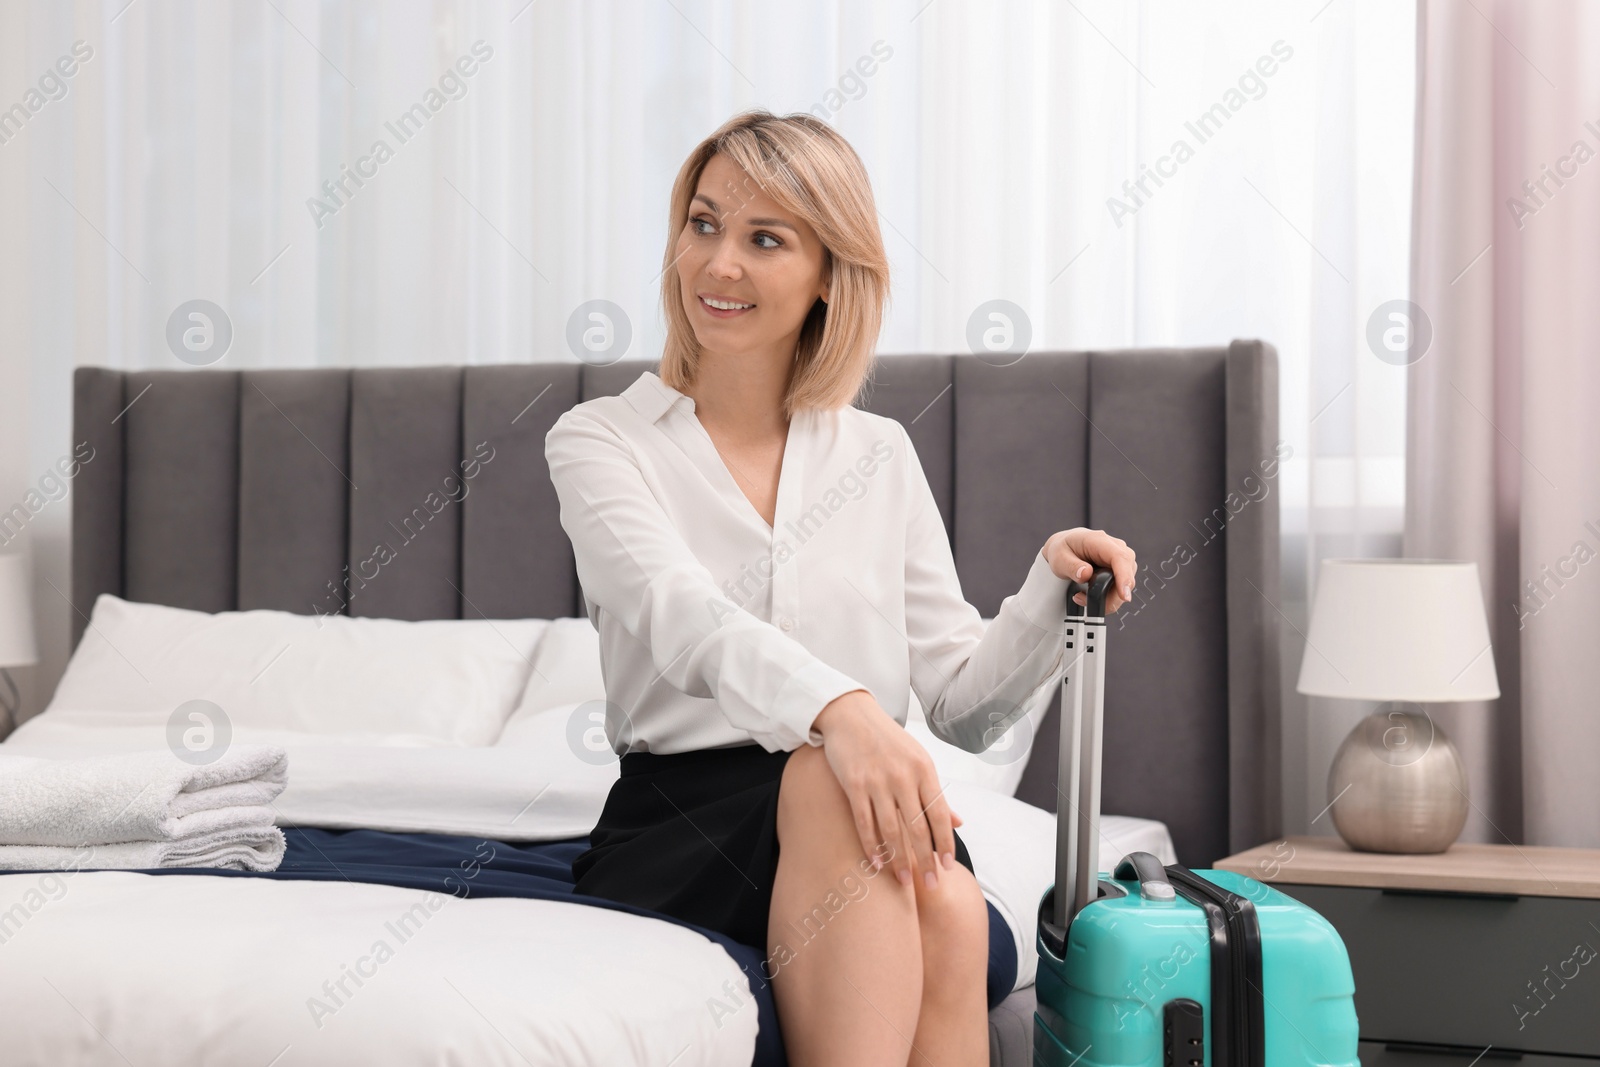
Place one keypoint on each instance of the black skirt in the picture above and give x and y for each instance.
(694, 835)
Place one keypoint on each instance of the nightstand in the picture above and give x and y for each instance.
(1480, 954)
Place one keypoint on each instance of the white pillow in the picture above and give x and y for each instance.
(566, 694)
(570, 740)
(565, 669)
(564, 704)
(998, 767)
(436, 682)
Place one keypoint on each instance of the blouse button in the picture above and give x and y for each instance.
(786, 623)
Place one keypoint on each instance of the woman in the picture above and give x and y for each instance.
(770, 578)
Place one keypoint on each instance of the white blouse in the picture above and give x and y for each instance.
(717, 629)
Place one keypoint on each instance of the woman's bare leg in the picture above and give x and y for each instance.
(867, 971)
(843, 942)
(953, 1019)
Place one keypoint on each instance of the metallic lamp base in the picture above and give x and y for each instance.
(1397, 785)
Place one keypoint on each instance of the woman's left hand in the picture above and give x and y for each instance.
(1073, 554)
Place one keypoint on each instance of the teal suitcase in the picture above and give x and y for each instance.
(1162, 966)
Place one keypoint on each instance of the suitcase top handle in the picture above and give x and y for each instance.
(1096, 588)
(1152, 876)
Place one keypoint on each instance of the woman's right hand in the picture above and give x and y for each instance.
(892, 786)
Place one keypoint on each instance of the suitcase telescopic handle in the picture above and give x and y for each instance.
(1078, 778)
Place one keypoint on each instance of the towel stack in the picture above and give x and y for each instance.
(141, 810)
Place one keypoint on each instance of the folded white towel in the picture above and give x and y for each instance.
(241, 848)
(144, 796)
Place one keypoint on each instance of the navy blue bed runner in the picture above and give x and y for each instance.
(474, 867)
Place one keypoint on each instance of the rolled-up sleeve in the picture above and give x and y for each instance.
(634, 564)
(975, 683)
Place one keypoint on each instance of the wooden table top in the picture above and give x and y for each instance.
(1525, 870)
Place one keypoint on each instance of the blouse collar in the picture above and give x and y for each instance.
(653, 398)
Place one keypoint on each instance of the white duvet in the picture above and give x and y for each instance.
(102, 967)
(114, 967)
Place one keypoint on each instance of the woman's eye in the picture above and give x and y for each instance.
(775, 242)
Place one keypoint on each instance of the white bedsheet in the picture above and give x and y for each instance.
(113, 967)
(510, 794)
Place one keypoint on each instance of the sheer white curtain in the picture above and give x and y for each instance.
(1020, 151)
(1503, 416)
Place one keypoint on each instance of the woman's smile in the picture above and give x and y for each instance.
(722, 307)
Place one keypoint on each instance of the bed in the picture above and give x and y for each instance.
(236, 491)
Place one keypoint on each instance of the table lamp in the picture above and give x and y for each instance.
(17, 647)
(1409, 632)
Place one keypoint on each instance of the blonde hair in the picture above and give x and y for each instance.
(810, 170)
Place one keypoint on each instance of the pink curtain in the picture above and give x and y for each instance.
(1503, 438)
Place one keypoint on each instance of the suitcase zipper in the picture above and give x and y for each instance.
(1237, 1032)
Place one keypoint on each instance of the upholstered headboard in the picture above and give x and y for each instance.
(220, 490)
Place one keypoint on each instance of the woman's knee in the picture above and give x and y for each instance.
(953, 917)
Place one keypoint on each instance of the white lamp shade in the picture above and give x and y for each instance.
(16, 612)
(1399, 629)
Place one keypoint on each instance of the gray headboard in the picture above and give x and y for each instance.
(221, 490)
